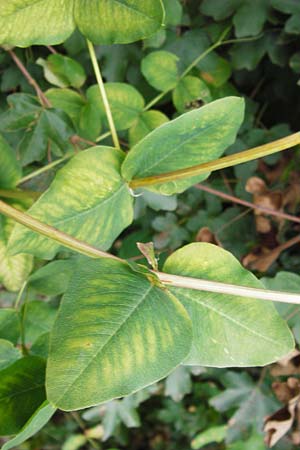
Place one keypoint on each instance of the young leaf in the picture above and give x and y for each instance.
(10, 169)
(118, 21)
(116, 332)
(82, 201)
(125, 101)
(188, 91)
(40, 417)
(195, 137)
(22, 391)
(228, 331)
(14, 270)
(35, 22)
(8, 354)
(62, 71)
(160, 70)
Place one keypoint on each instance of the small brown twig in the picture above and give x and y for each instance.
(43, 99)
(239, 201)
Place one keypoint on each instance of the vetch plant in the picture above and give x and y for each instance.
(120, 326)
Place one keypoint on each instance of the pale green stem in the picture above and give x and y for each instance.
(103, 94)
(167, 279)
(45, 168)
(103, 136)
(19, 195)
(199, 58)
(20, 294)
(221, 163)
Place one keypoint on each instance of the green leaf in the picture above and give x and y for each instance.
(146, 122)
(40, 417)
(81, 201)
(8, 354)
(10, 170)
(178, 383)
(52, 279)
(62, 71)
(250, 18)
(173, 9)
(195, 137)
(116, 332)
(213, 434)
(219, 9)
(14, 270)
(33, 22)
(22, 391)
(9, 324)
(188, 92)
(38, 318)
(292, 25)
(125, 101)
(23, 110)
(228, 331)
(118, 21)
(160, 70)
(67, 100)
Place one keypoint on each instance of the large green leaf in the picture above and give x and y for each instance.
(10, 170)
(14, 270)
(228, 330)
(118, 21)
(40, 417)
(87, 200)
(194, 138)
(31, 22)
(22, 391)
(116, 332)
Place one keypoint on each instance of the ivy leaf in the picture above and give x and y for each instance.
(228, 331)
(62, 71)
(22, 391)
(195, 137)
(81, 201)
(40, 417)
(14, 270)
(116, 332)
(219, 9)
(10, 326)
(160, 70)
(178, 383)
(52, 130)
(146, 122)
(40, 23)
(10, 170)
(125, 101)
(8, 354)
(250, 17)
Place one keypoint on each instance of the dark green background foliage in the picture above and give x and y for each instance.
(259, 61)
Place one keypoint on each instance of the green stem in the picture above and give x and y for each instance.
(45, 168)
(199, 58)
(167, 279)
(103, 94)
(103, 136)
(19, 195)
(20, 294)
(221, 163)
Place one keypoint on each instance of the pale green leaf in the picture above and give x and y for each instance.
(38, 318)
(62, 71)
(40, 417)
(213, 434)
(10, 169)
(125, 101)
(160, 70)
(228, 330)
(32, 22)
(146, 122)
(8, 354)
(81, 201)
(67, 100)
(14, 270)
(53, 278)
(195, 137)
(116, 332)
(188, 92)
(118, 21)
(22, 391)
